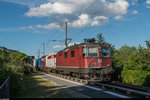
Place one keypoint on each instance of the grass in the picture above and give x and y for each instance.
(37, 87)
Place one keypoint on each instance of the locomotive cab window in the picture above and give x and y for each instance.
(72, 54)
(65, 55)
(105, 52)
(84, 52)
(60, 56)
(92, 52)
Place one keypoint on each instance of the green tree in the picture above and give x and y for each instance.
(1, 62)
(3, 55)
(139, 60)
(148, 43)
(120, 57)
(14, 64)
(100, 39)
(137, 67)
(18, 58)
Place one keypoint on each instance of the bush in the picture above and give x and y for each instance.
(138, 61)
(136, 77)
(17, 86)
(20, 69)
(120, 58)
(14, 64)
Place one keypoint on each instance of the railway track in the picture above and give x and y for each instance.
(135, 87)
(113, 86)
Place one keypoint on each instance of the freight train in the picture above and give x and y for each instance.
(86, 60)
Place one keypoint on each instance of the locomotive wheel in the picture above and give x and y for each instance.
(86, 76)
(77, 75)
(101, 75)
(108, 77)
(83, 76)
(72, 74)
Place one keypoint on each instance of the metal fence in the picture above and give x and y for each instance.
(5, 89)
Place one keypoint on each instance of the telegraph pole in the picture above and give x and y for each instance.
(38, 53)
(66, 37)
(43, 49)
(66, 42)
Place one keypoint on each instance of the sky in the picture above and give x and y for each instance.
(26, 24)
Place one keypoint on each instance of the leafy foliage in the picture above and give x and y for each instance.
(17, 85)
(100, 39)
(120, 57)
(131, 63)
(14, 64)
(139, 61)
(148, 43)
(136, 67)
(136, 77)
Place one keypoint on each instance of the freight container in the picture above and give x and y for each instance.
(44, 61)
(51, 60)
(39, 62)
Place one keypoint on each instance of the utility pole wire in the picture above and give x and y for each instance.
(111, 17)
(95, 13)
(95, 31)
(87, 8)
(55, 40)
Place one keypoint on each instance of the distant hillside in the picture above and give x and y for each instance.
(8, 50)
(14, 56)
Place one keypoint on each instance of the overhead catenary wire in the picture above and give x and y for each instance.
(78, 34)
(110, 25)
(66, 42)
(87, 8)
(94, 13)
(110, 18)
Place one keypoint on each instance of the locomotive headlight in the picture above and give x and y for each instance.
(108, 65)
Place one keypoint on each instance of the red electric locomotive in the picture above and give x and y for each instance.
(43, 61)
(86, 60)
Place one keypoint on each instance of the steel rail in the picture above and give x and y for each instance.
(104, 86)
(70, 78)
(127, 90)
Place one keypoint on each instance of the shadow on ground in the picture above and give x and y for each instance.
(36, 87)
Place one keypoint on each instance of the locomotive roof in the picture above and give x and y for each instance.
(83, 45)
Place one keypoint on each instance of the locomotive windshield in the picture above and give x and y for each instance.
(105, 52)
(92, 52)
